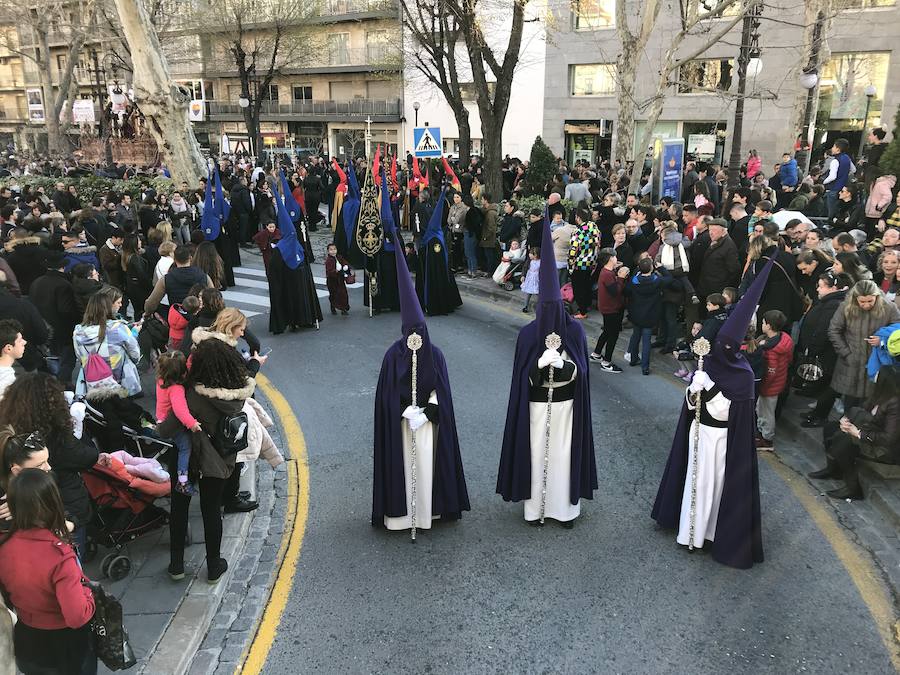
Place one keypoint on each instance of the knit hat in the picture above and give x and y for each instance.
(99, 380)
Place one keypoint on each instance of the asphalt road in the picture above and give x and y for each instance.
(490, 594)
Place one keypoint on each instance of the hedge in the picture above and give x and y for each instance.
(91, 186)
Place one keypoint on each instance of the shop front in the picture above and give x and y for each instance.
(588, 140)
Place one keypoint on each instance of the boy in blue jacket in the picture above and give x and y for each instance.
(788, 173)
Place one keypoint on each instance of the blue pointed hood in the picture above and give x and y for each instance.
(293, 208)
(223, 208)
(209, 221)
(387, 215)
(352, 203)
(289, 245)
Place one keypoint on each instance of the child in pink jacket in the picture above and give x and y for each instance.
(171, 373)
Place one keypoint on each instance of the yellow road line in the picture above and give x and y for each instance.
(860, 568)
(254, 659)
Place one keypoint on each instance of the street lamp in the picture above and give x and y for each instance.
(809, 80)
(416, 108)
(870, 94)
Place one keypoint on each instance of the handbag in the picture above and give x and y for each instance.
(111, 642)
(809, 374)
(350, 278)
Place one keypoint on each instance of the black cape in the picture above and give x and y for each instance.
(227, 247)
(385, 267)
(435, 286)
(449, 494)
(292, 295)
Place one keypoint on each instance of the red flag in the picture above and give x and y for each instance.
(454, 181)
(376, 164)
(342, 186)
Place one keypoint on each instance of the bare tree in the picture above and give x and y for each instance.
(434, 54)
(695, 27)
(39, 23)
(260, 40)
(475, 18)
(164, 104)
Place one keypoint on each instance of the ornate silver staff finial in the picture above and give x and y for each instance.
(414, 342)
(554, 342)
(701, 348)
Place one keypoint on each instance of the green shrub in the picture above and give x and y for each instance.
(541, 166)
(91, 186)
(538, 202)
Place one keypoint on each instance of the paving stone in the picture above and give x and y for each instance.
(227, 668)
(268, 553)
(215, 638)
(205, 662)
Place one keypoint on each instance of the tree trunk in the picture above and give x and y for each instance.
(626, 66)
(492, 156)
(251, 119)
(656, 109)
(465, 137)
(165, 105)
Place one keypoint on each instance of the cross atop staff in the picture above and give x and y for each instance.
(368, 136)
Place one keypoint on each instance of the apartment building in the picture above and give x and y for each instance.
(321, 101)
(580, 103)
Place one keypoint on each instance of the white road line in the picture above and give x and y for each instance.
(251, 283)
(252, 271)
(256, 300)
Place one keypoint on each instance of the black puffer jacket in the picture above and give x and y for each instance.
(69, 456)
(28, 259)
(813, 338)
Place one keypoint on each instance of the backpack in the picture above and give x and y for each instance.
(98, 378)
(231, 434)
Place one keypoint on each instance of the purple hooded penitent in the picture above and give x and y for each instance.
(738, 540)
(394, 394)
(514, 477)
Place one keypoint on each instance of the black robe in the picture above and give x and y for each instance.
(385, 267)
(227, 247)
(435, 286)
(292, 295)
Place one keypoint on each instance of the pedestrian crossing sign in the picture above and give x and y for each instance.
(427, 142)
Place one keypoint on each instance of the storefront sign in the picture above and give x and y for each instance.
(83, 111)
(702, 145)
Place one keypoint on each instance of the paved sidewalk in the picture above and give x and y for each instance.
(168, 621)
(874, 523)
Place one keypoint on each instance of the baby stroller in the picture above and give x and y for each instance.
(121, 514)
(121, 424)
(508, 274)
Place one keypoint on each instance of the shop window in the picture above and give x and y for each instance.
(705, 75)
(593, 79)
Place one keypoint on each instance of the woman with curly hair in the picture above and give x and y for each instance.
(36, 402)
(207, 258)
(217, 387)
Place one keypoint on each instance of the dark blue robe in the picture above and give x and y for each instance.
(449, 494)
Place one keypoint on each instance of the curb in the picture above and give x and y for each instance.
(191, 621)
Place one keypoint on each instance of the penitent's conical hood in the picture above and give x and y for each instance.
(550, 311)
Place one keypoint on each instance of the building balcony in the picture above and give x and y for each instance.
(356, 110)
(355, 10)
(374, 58)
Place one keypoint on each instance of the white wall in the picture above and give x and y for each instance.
(524, 119)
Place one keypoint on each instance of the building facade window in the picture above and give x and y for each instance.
(841, 5)
(339, 49)
(302, 92)
(705, 76)
(376, 45)
(842, 87)
(270, 94)
(593, 14)
(592, 79)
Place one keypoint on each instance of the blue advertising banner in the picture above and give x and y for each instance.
(670, 166)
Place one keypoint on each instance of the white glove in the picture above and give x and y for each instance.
(344, 268)
(550, 357)
(412, 411)
(418, 421)
(700, 381)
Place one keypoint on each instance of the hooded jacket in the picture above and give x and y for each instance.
(28, 260)
(777, 353)
(209, 405)
(82, 254)
(644, 293)
(123, 348)
(881, 196)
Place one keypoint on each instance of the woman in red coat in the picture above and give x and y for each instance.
(40, 575)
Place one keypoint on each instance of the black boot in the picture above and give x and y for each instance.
(846, 492)
(831, 470)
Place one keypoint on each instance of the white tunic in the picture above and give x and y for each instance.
(710, 474)
(425, 451)
(557, 504)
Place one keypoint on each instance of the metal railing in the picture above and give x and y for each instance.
(371, 55)
(338, 7)
(359, 107)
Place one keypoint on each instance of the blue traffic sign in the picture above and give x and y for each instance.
(427, 142)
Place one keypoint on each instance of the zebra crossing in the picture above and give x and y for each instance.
(251, 291)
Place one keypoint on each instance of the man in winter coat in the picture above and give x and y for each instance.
(111, 259)
(487, 246)
(54, 298)
(26, 256)
(721, 266)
